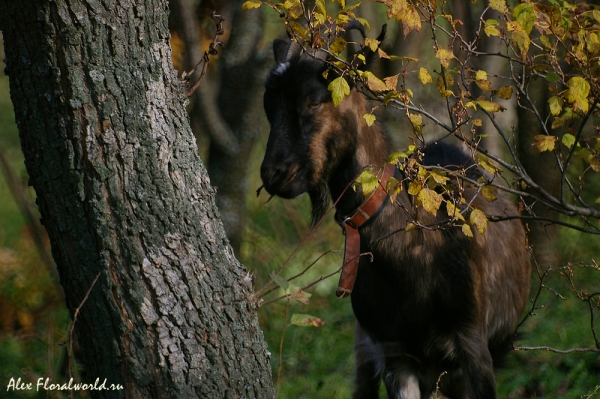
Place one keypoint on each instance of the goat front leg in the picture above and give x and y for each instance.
(401, 378)
(477, 366)
(369, 362)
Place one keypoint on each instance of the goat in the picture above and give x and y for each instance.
(430, 300)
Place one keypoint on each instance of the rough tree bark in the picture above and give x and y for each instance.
(124, 196)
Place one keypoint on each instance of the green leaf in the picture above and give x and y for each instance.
(367, 182)
(396, 156)
(568, 140)
(552, 77)
(339, 88)
(525, 15)
(478, 220)
(370, 118)
(306, 320)
(280, 281)
(429, 200)
(251, 4)
(544, 143)
(499, 5)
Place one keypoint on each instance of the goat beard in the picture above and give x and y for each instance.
(319, 200)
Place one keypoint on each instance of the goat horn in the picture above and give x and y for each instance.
(354, 24)
(292, 51)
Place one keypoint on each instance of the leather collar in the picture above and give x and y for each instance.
(367, 211)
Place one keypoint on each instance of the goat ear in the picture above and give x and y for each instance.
(279, 50)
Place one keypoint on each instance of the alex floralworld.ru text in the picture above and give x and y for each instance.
(46, 384)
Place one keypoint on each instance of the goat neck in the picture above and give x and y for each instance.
(370, 149)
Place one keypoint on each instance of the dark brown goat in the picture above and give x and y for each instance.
(431, 300)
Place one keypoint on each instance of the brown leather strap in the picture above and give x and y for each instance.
(364, 212)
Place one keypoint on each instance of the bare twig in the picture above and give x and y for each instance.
(38, 232)
(72, 328)
(212, 50)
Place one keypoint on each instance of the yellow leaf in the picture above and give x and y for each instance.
(338, 45)
(486, 163)
(417, 121)
(481, 75)
(251, 4)
(489, 192)
(294, 8)
(367, 182)
(505, 92)
(544, 143)
(370, 118)
(410, 226)
(519, 36)
(339, 88)
(372, 44)
(414, 187)
(429, 200)
(441, 85)
(373, 82)
(453, 211)
(477, 122)
(478, 220)
(499, 5)
(410, 20)
(491, 28)
(393, 188)
(444, 56)
(320, 7)
(490, 106)
(391, 82)
(577, 94)
(466, 229)
(484, 85)
(438, 177)
(556, 104)
(424, 76)
(382, 54)
(557, 122)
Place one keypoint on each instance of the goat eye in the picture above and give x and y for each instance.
(314, 106)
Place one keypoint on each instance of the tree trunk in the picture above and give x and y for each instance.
(541, 167)
(124, 196)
